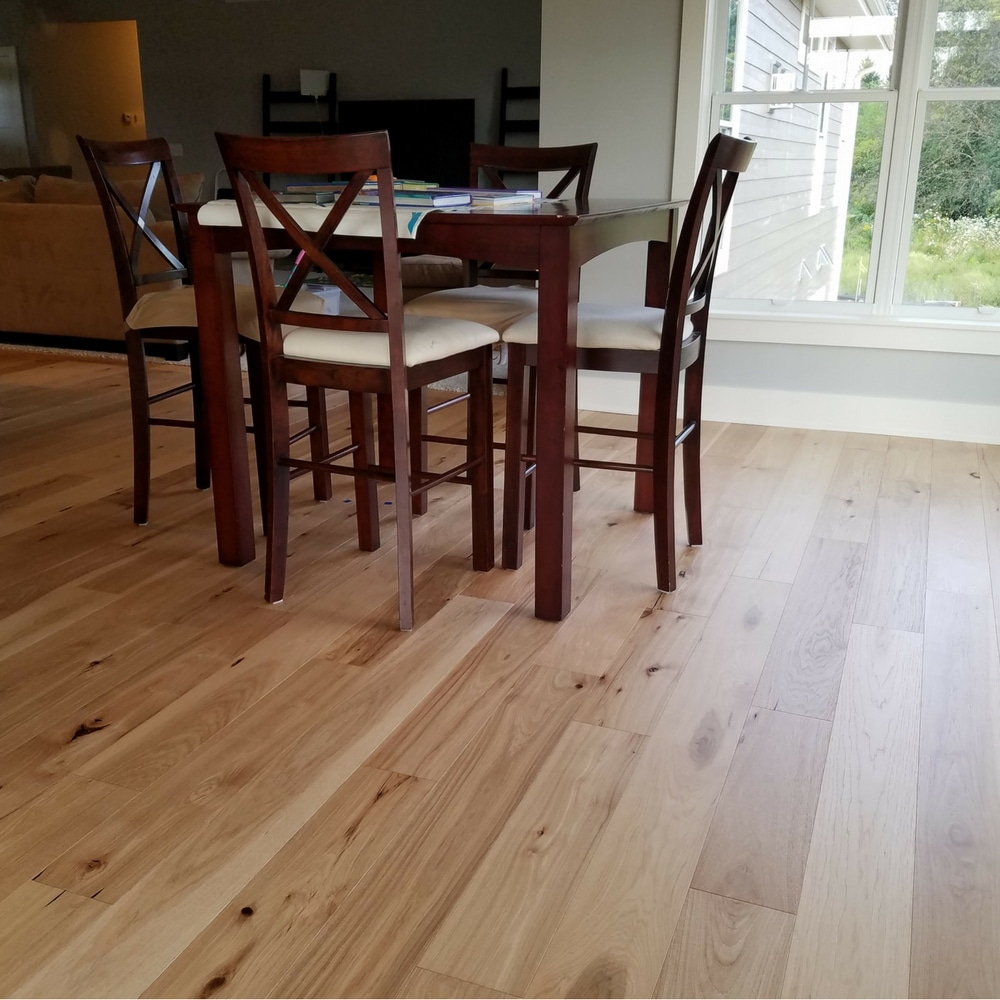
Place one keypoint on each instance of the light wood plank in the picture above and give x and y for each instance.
(956, 891)
(639, 683)
(704, 571)
(297, 890)
(35, 921)
(957, 559)
(802, 673)
(849, 505)
(894, 580)
(908, 459)
(310, 733)
(617, 925)
(35, 833)
(852, 931)
(371, 947)
(422, 983)
(759, 838)
(497, 930)
(436, 734)
(725, 948)
(989, 469)
(777, 545)
(167, 903)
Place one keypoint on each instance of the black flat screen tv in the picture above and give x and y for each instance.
(429, 139)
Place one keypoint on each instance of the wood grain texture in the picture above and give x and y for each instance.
(849, 505)
(35, 922)
(803, 668)
(497, 930)
(781, 536)
(725, 948)
(201, 763)
(852, 931)
(759, 837)
(309, 879)
(370, 947)
(894, 580)
(957, 559)
(640, 680)
(422, 983)
(197, 872)
(956, 891)
(618, 923)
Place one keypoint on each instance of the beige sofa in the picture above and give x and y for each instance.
(57, 275)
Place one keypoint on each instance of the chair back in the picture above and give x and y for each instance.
(690, 289)
(248, 159)
(576, 162)
(141, 257)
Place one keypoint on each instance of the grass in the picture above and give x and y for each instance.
(954, 261)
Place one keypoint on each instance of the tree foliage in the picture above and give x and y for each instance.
(960, 154)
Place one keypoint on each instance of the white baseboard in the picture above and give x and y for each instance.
(928, 418)
(945, 420)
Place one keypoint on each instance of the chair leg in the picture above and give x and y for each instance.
(276, 428)
(139, 398)
(202, 458)
(417, 404)
(319, 440)
(643, 502)
(691, 452)
(365, 488)
(514, 487)
(480, 451)
(664, 530)
(255, 376)
(402, 502)
(529, 446)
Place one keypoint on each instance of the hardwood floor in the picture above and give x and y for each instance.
(782, 780)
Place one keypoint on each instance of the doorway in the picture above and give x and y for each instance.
(85, 79)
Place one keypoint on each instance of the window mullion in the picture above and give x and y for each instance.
(898, 183)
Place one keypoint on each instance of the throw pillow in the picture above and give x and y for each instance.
(18, 189)
(61, 190)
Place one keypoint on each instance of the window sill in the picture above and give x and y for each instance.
(896, 333)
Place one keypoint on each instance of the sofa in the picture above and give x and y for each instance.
(57, 274)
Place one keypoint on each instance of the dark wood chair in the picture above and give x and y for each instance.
(658, 343)
(489, 167)
(157, 300)
(507, 294)
(372, 353)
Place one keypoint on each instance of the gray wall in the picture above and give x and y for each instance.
(202, 60)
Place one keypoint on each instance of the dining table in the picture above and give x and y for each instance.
(554, 238)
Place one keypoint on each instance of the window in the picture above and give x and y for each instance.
(875, 188)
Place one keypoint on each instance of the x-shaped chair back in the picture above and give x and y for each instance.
(129, 223)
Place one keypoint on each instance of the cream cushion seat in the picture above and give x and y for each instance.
(496, 307)
(601, 325)
(426, 338)
(175, 307)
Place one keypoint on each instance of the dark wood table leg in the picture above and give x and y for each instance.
(558, 294)
(223, 387)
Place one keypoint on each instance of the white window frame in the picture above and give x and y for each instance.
(877, 324)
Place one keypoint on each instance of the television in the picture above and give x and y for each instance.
(429, 138)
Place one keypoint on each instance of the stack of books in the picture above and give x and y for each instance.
(412, 194)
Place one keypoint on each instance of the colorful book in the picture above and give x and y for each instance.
(495, 197)
(431, 198)
(307, 197)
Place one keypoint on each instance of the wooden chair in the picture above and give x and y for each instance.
(658, 343)
(375, 352)
(153, 254)
(498, 307)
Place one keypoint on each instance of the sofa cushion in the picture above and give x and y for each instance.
(63, 191)
(17, 189)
